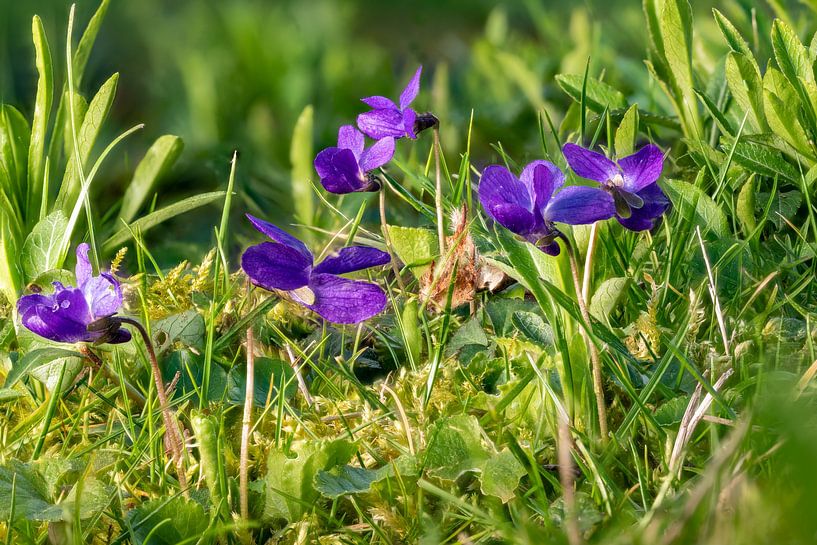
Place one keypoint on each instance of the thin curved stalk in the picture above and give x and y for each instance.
(246, 423)
(173, 435)
(384, 226)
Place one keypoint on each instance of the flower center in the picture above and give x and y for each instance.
(617, 181)
(305, 295)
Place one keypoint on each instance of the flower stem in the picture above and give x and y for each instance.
(174, 437)
(567, 478)
(243, 483)
(438, 196)
(595, 360)
(384, 227)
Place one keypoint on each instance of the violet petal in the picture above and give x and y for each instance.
(380, 153)
(275, 266)
(352, 258)
(279, 235)
(412, 89)
(345, 301)
(377, 124)
(642, 168)
(351, 138)
(576, 205)
(589, 164)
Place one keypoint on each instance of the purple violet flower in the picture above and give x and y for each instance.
(387, 119)
(529, 205)
(345, 168)
(288, 265)
(65, 315)
(631, 181)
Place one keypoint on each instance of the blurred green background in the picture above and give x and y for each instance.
(236, 74)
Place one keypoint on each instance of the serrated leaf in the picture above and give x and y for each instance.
(153, 219)
(689, 199)
(301, 156)
(676, 31)
(470, 332)
(41, 250)
(343, 480)
(599, 95)
(456, 447)
(15, 136)
(30, 494)
(672, 411)
(784, 206)
(607, 297)
(760, 158)
(781, 105)
(733, 37)
(168, 521)
(745, 84)
(294, 476)
(158, 160)
(416, 247)
(500, 475)
(627, 132)
(534, 328)
(790, 53)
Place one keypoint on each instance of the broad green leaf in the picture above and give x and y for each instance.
(301, 156)
(158, 160)
(416, 247)
(790, 53)
(168, 521)
(87, 134)
(294, 476)
(690, 200)
(672, 412)
(627, 132)
(746, 206)
(10, 275)
(455, 447)
(190, 370)
(9, 394)
(185, 328)
(781, 105)
(39, 125)
(501, 312)
(784, 206)
(41, 250)
(599, 95)
(760, 158)
(15, 137)
(31, 500)
(153, 219)
(343, 480)
(676, 32)
(500, 475)
(733, 37)
(746, 86)
(35, 359)
(49, 373)
(533, 328)
(268, 375)
(411, 331)
(607, 297)
(470, 332)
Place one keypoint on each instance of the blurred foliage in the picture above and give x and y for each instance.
(236, 74)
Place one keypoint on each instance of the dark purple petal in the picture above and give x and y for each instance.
(65, 319)
(121, 336)
(381, 123)
(103, 295)
(589, 164)
(26, 302)
(352, 258)
(409, 117)
(513, 218)
(339, 171)
(655, 204)
(379, 103)
(577, 205)
(410, 92)
(351, 138)
(345, 301)
(274, 266)
(542, 178)
(279, 235)
(551, 248)
(498, 186)
(83, 270)
(642, 168)
(380, 153)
